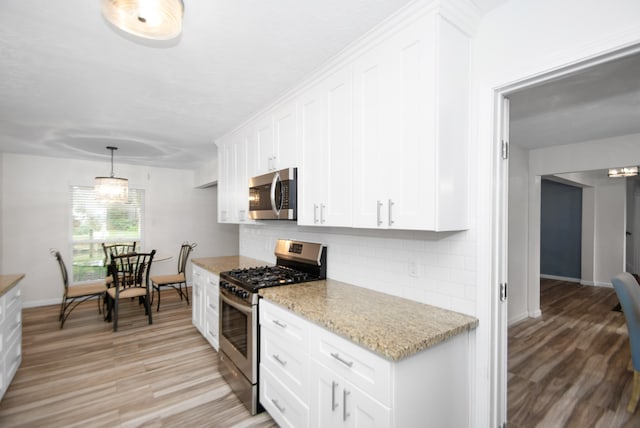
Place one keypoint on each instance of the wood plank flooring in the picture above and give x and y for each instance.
(572, 366)
(159, 375)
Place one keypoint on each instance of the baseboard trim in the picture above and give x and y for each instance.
(561, 278)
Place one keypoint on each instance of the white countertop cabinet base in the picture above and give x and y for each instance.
(10, 336)
(311, 377)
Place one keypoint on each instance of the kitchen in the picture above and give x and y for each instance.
(34, 189)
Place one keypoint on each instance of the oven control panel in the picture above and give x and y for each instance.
(234, 290)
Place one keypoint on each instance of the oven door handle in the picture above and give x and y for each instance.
(274, 183)
(246, 309)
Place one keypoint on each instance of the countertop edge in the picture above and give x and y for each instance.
(7, 282)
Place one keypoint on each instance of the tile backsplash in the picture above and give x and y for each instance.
(438, 268)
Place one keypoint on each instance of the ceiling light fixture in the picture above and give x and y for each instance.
(151, 19)
(112, 189)
(627, 171)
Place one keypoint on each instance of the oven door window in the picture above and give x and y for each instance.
(235, 325)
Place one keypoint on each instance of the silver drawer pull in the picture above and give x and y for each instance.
(275, 403)
(334, 405)
(278, 359)
(279, 324)
(343, 361)
(345, 414)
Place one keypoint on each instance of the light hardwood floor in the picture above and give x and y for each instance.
(159, 375)
(571, 367)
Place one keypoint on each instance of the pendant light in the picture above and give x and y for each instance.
(150, 19)
(112, 189)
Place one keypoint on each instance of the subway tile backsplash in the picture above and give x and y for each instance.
(438, 268)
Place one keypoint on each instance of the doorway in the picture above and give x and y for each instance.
(552, 156)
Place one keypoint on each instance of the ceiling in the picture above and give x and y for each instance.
(596, 103)
(71, 84)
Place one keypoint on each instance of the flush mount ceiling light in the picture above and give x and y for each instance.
(628, 171)
(112, 189)
(151, 19)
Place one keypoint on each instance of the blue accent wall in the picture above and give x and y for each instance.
(560, 230)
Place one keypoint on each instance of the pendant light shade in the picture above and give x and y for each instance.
(151, 19)
(112, 189)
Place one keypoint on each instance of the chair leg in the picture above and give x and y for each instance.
(115, 314)
(148, 306)
(158, 308)
(635, 392)
(186, 293)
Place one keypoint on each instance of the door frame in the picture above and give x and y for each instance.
(499, 234)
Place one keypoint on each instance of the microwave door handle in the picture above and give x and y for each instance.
(276, 178)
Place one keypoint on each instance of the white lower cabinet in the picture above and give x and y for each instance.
(204, 304)
(311, 377)
(10, 336)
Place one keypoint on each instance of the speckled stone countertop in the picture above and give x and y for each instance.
(225, 263)
(390, 326)
(8, 281)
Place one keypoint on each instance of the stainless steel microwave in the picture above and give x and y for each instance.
(274, 196)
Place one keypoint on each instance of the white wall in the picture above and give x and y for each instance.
(36, 217)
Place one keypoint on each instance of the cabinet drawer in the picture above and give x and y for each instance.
(9, 303)
(362, 368)
(290, 327)
(289, 364)
(285, 408)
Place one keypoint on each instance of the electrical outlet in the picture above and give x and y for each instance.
(413, 268)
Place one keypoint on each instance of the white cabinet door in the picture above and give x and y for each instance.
(325, 132)
(372, 138)
(285, 144)
(337, 403)
(264, 140)
(224, 187)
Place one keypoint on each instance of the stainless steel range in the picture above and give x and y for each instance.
(239, 333)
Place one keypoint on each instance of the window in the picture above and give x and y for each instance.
(95, 222)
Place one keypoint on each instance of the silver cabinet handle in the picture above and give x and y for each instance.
(345, 414)
(279, 360)
(379, 205)
(343, 361)
(390, 215)
(279, 324)
(315, 213)
(275, 403)
(334, 385)
(322, 207)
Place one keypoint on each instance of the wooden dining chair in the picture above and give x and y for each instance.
(130, 280)
(74, 294)
(175, 281)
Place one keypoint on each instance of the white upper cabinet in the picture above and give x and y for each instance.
(275, 139)
(325, 133)
(411, 129)
(235, 159)
(380, 135)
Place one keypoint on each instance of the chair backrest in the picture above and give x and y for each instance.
(185, 250)
(132, 269)
(628, 291)
(63, 269)
(111, 250)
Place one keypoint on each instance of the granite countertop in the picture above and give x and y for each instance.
(225, 263)
(390, 326)
(8, 281)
